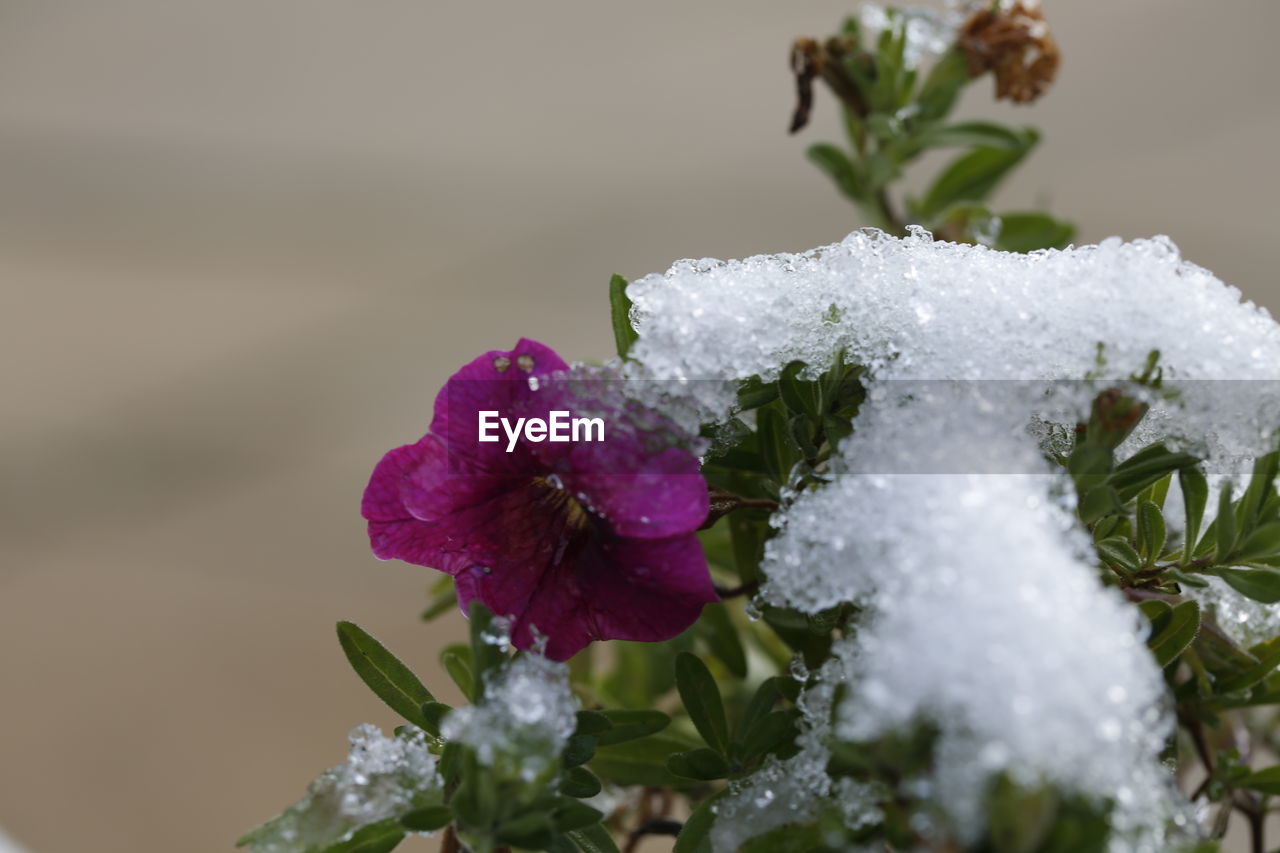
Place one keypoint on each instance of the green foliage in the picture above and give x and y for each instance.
(389, 679)
(624, 334)
(894, 116)
(702, 701)
(689, 718)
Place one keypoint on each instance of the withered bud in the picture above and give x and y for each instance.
(1017, 45)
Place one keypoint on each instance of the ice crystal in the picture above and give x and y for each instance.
(524, 721)
(928, 33)
(383, 777)
(983, 611)
(794, 790)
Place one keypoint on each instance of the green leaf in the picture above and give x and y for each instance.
(1263, 542)
(574, 815)
(721, 636)
(452, 759)
(593, 839)
(769, 733)
(1176, 634)
(802, 396)
(975, 134)
(456, 660)
(531, 830)
(762, 702)
(1151, 531)
(1225, 525)
(1117, 552)
(1158, 491)
(591, 723)
(695, 835)
(1268, 655)
(840, 169)
(427, 819)
(640, 762)
(1107, 527)
(624, 334)
(881, 170)
(777, 444)
(1264, 781)
(389, 679)
(578, 750)
(475, 801)
(1089, 463)
(1261, 486)
(748, 537)
(812, 837)
(1195, 494)
(1157, 610)
(579, 782)
(1019, 819)
(1099, 502)
(379, 837)
(1146, 467)
(630, 725)
(435, 713)
(1259, 584)
(488, 645)
(973, 176)
(938, 93)
(702, 701)
(703, 763)
(1027, 232)
(752, 394)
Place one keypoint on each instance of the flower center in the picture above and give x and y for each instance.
(553, 494)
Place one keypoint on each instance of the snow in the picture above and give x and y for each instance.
(383, 777)
(928, 33)
(794, 790)
(983, 609)
(525, 720)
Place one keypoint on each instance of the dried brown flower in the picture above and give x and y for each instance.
(810, 60)
(1017, 45)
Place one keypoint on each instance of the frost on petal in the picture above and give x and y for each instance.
(383, 777)
(524, 722)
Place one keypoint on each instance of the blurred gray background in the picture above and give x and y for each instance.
(243, 242)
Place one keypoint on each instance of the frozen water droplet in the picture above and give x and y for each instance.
(799, 670)
(498, 633)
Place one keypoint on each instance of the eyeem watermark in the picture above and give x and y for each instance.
(559, 427)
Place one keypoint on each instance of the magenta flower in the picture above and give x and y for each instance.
(578, 541)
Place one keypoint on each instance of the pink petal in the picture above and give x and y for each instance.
(496, 381)
(623, 589)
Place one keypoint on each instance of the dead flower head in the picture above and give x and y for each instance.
(1016, 44)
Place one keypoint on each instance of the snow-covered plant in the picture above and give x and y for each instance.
(940, 538)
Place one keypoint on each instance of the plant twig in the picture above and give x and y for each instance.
(653, 826)
(748, 588)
